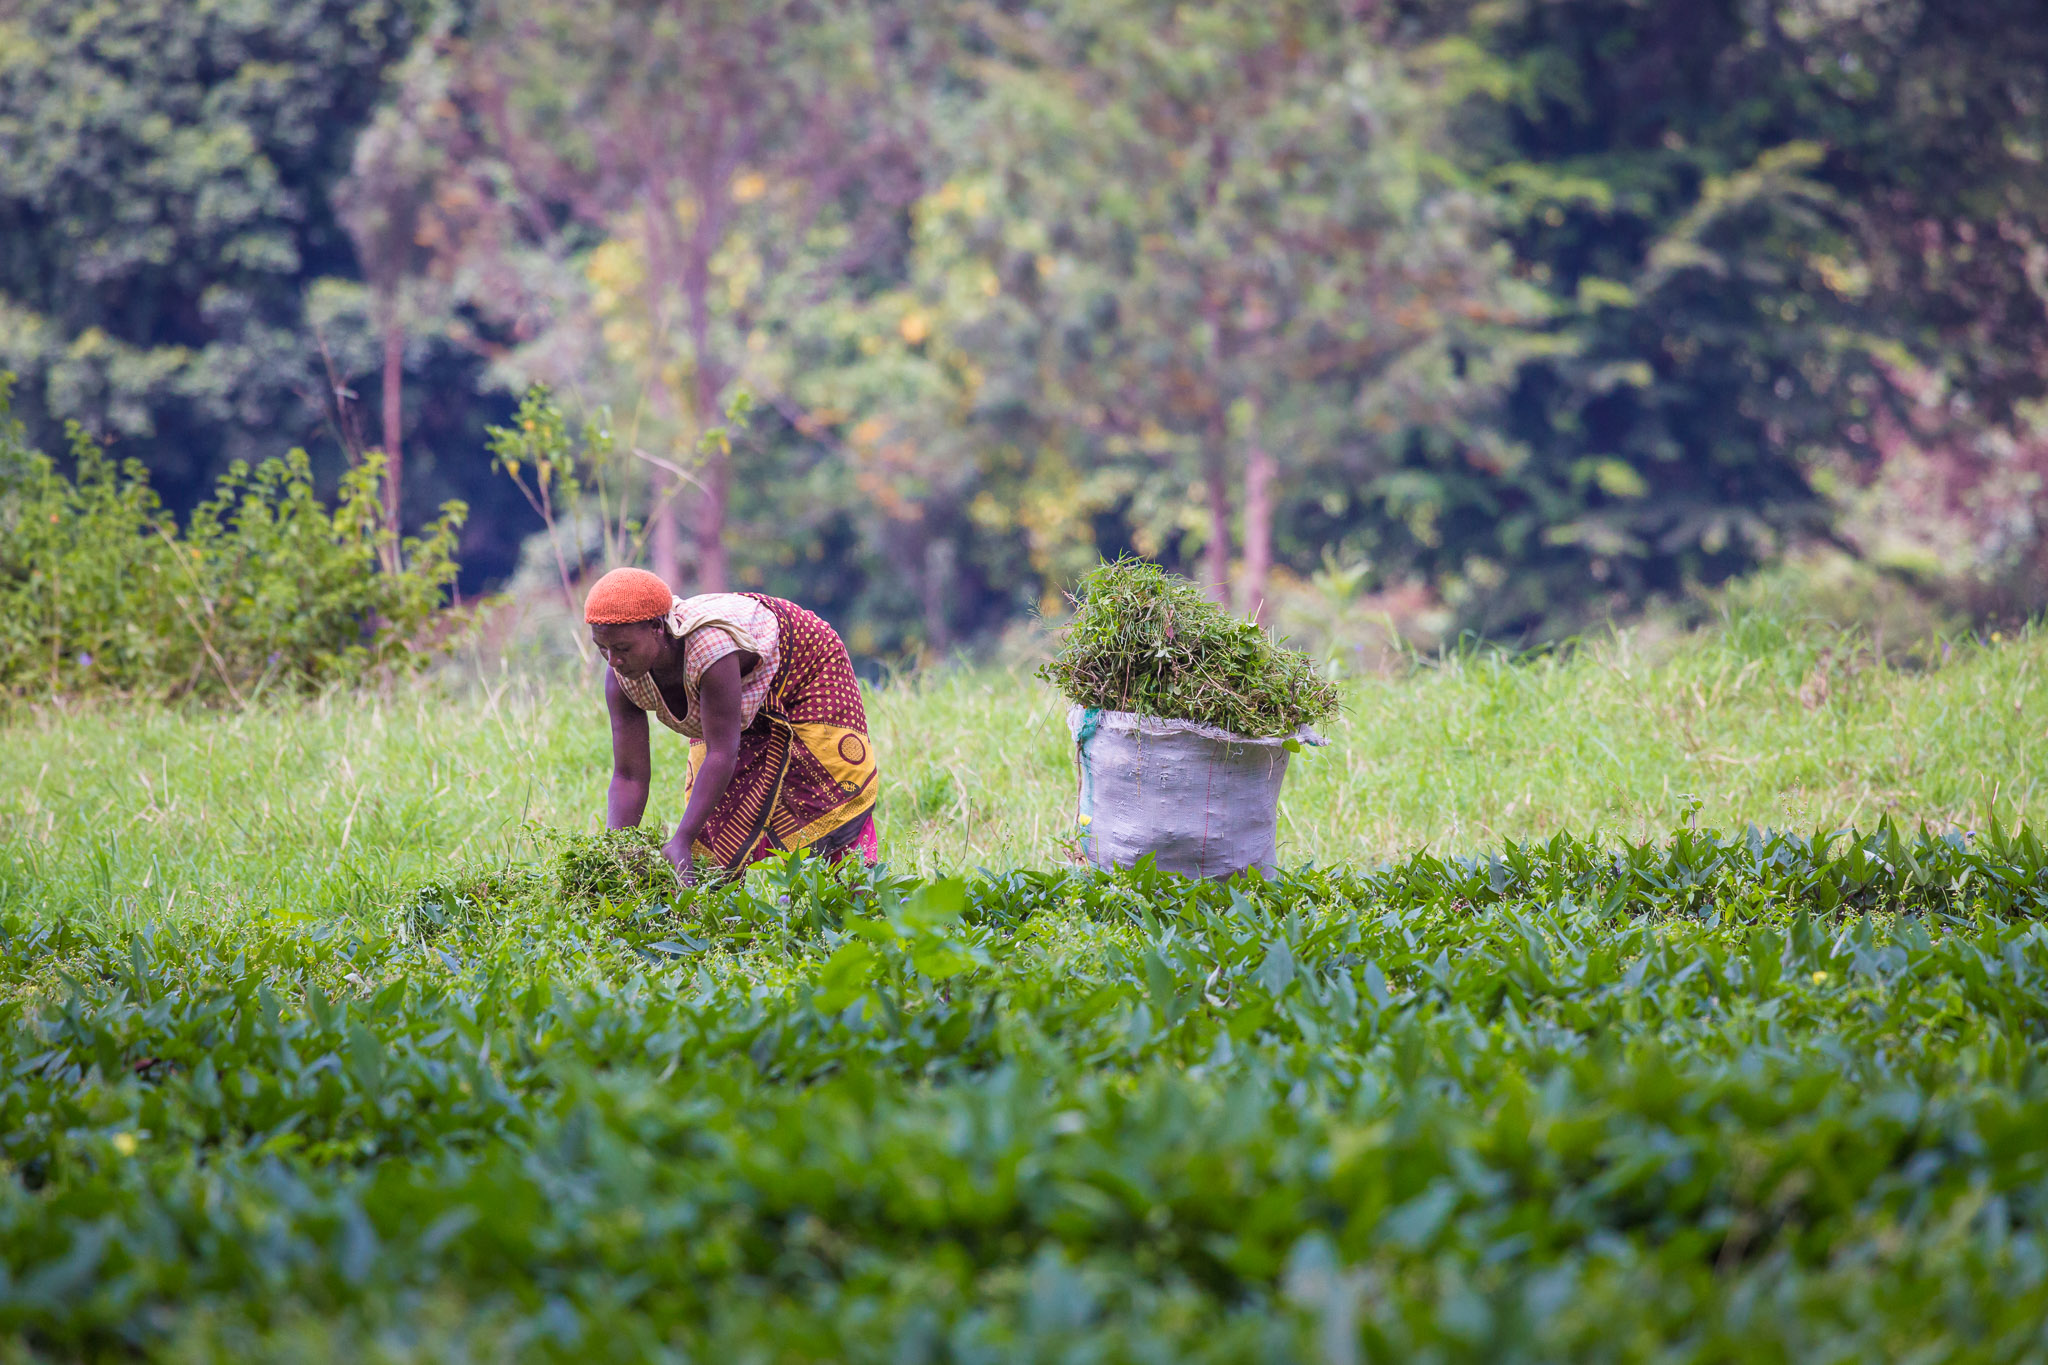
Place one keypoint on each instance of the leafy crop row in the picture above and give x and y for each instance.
(1757, 1097)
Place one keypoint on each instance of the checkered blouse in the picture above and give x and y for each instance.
(713, 625)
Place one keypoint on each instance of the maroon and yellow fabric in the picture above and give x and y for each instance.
(806, 769)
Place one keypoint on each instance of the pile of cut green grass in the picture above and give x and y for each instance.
(1148, 641)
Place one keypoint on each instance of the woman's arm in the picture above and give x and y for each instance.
(632, 765)
(718, 713)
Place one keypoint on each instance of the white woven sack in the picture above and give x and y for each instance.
(1202, 801)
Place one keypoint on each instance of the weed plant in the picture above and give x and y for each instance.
(1148, 641)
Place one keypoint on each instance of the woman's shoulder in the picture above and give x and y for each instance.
(751, 613)
(717, 603)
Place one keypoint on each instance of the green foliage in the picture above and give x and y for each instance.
(612, 865)
(580, 485)
(1767, 236)
(266, 588)
(311, 1056)
(1517, 1106)
(1148, 641)
(538, 446)
(164, 168)
(1169, 237)
(1554, 307)
(1508, 324)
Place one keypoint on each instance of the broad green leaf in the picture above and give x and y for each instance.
(844, 977)
(1276, 973)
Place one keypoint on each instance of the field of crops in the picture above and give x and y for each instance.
(312, 1048)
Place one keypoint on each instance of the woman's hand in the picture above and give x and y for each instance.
(677, 851)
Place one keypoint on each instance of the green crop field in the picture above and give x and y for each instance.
(1578, 1027)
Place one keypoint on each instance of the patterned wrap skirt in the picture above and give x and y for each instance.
(806, 774)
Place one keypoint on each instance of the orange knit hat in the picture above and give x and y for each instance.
(626, 595)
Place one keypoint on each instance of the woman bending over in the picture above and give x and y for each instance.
(765, 693)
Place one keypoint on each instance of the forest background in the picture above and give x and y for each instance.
(1382, 319)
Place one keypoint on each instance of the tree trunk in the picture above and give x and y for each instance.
(707, 380)
(665, 534)
(1216, 451)
(1259, 473)
(394, 414)
(712, 571)
(1216, 555)
(938, 584)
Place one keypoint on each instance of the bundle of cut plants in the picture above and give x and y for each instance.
(1183, 720)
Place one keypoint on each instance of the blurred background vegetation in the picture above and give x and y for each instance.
(1387, 320)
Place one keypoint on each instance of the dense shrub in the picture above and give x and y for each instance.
(267, 587)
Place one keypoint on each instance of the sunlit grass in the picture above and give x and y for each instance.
(336, 805)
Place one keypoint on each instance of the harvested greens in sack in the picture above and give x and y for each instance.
(1184, 719)
(1202, 801)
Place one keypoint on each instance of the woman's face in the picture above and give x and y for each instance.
(631, 649)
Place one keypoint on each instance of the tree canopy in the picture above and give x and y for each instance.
(1543, 309)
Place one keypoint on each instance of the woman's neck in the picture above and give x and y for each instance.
(670, 666)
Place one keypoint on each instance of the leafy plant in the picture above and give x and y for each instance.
(616, 865)
(268, 587)
(577, 483)
(1521, 1104)
(1148, 641)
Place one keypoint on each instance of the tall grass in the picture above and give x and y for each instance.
(333, 806)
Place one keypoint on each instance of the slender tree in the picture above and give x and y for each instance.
(1220, 228)
(734, 155)
(386, 204)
